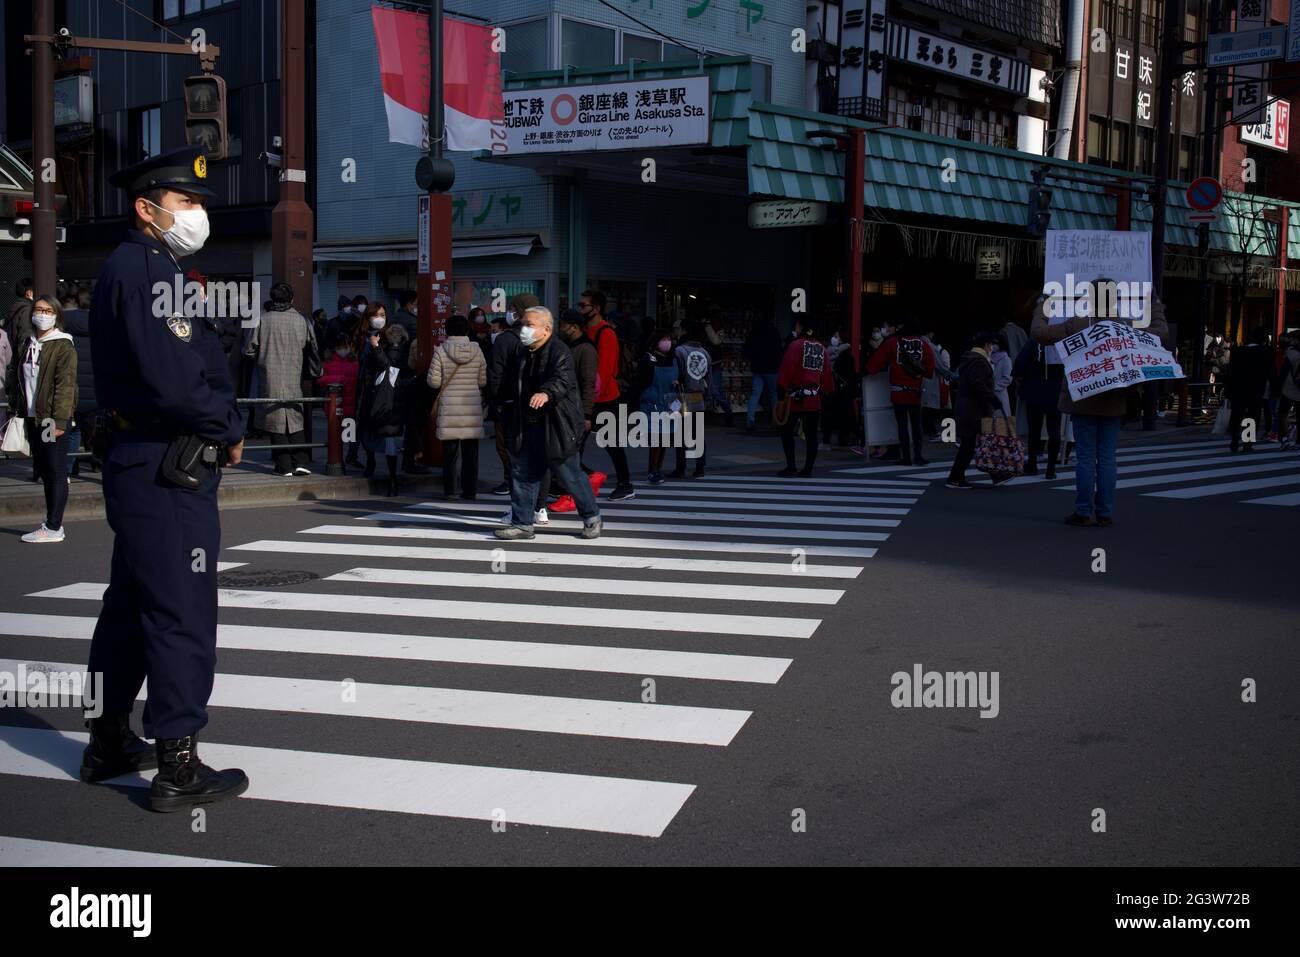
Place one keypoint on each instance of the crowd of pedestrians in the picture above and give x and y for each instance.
(542, 384)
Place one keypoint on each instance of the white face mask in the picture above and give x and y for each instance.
(189, 230)
(527, 335)
(665, 345)
(42, 323)
(494, 336)
(377, 322)
(835, 340)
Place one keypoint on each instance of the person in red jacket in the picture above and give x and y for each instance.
(341, 367)
(910, 360)
(608, 398)
(804, 376)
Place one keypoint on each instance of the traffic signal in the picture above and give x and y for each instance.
(205, 114)
(1040, 207)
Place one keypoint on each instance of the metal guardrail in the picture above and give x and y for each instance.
(333, 444)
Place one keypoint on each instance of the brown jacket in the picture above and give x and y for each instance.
(1112, 402)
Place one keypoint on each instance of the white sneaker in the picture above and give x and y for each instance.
(507, 518)
(44, 535)
(286, 475)
(300, 470)
(541, 518)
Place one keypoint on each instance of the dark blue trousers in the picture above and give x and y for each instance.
(159, 618)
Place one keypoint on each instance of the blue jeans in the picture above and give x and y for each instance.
(762, 386)
(717, 394)
(1096, 437)
(72, 443)
(529, 464)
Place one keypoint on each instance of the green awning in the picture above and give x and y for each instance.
(905, 173)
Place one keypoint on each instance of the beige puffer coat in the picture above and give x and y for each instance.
(460, 403)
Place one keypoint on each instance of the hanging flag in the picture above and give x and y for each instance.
(471, 82)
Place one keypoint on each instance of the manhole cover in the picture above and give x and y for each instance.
(271, 578)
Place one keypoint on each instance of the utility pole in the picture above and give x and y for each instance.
(44, 228)
(435, 175)
(1170, 59)
(291, 219)
(1209, 144)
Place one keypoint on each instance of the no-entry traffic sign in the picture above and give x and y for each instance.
(1204, 195)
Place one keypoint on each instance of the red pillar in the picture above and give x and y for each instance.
(1279, 325)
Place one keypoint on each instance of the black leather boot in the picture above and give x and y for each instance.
(114, 750)
(184, 782)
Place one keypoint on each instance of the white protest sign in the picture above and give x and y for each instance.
(1111, 355)
(1077, 258)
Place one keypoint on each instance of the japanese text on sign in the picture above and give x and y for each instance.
(1111, 355)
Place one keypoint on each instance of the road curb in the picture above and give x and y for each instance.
(87, 502)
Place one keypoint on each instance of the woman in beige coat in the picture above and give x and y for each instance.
(459, 374)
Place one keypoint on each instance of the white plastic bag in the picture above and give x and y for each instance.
(15, 438)
(1221, 419)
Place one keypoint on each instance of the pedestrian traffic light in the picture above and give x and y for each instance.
(1040, 207)
(205, 114)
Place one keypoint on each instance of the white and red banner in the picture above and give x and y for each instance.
(1111, 355)
(471, 81)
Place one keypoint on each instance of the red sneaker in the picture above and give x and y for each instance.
(597, 479)
(564, 503)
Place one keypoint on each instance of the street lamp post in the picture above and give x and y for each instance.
(44, 253)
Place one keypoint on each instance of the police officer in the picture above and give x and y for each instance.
(161, 374)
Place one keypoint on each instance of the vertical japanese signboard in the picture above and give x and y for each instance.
(861, 75)
(1248, 87)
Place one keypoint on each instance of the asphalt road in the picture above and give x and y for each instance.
(1119, 690)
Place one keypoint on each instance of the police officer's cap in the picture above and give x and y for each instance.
(184, 170)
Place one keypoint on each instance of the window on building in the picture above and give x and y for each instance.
(1153, 16)
(526, 47)
(235, 123)
(1146, 158)
(1124, 19)
(173, 9)
(1185, 153)
(673, 52)
(1097, 130)
(1119, 145)
(644, 49)
(761, 81)
(585, 44)
(146, 132)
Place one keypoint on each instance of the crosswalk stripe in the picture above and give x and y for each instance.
(858, 504)
(227, 566)
(1141, 466)
(726, 490)
(1222, 488)
(724, 498)
(1172, 477)
(680, 534)
(778, 482)
(604, 542)
(563, 585)
(636, 619)
(23, 852)
(704, 666)
(527, 557)
(542, 798)
(791, 514)
(544, 714)
(1290, 498)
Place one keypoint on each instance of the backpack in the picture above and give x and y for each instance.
(695, 363)
(911, 357)
(627, 360)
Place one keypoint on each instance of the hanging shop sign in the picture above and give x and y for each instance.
(960, 60)
(786, 212)
(990, 261)
(861, 71)
(1275, 131)
(74, 100)
(1248, 89)
(1245, 46)
(634, 114)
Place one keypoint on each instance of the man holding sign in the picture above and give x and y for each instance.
(1104, 353)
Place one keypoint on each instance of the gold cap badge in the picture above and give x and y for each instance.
(201, 166)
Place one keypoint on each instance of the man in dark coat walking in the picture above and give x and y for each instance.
(1249, 373)
(975, 400)
(544, 425)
